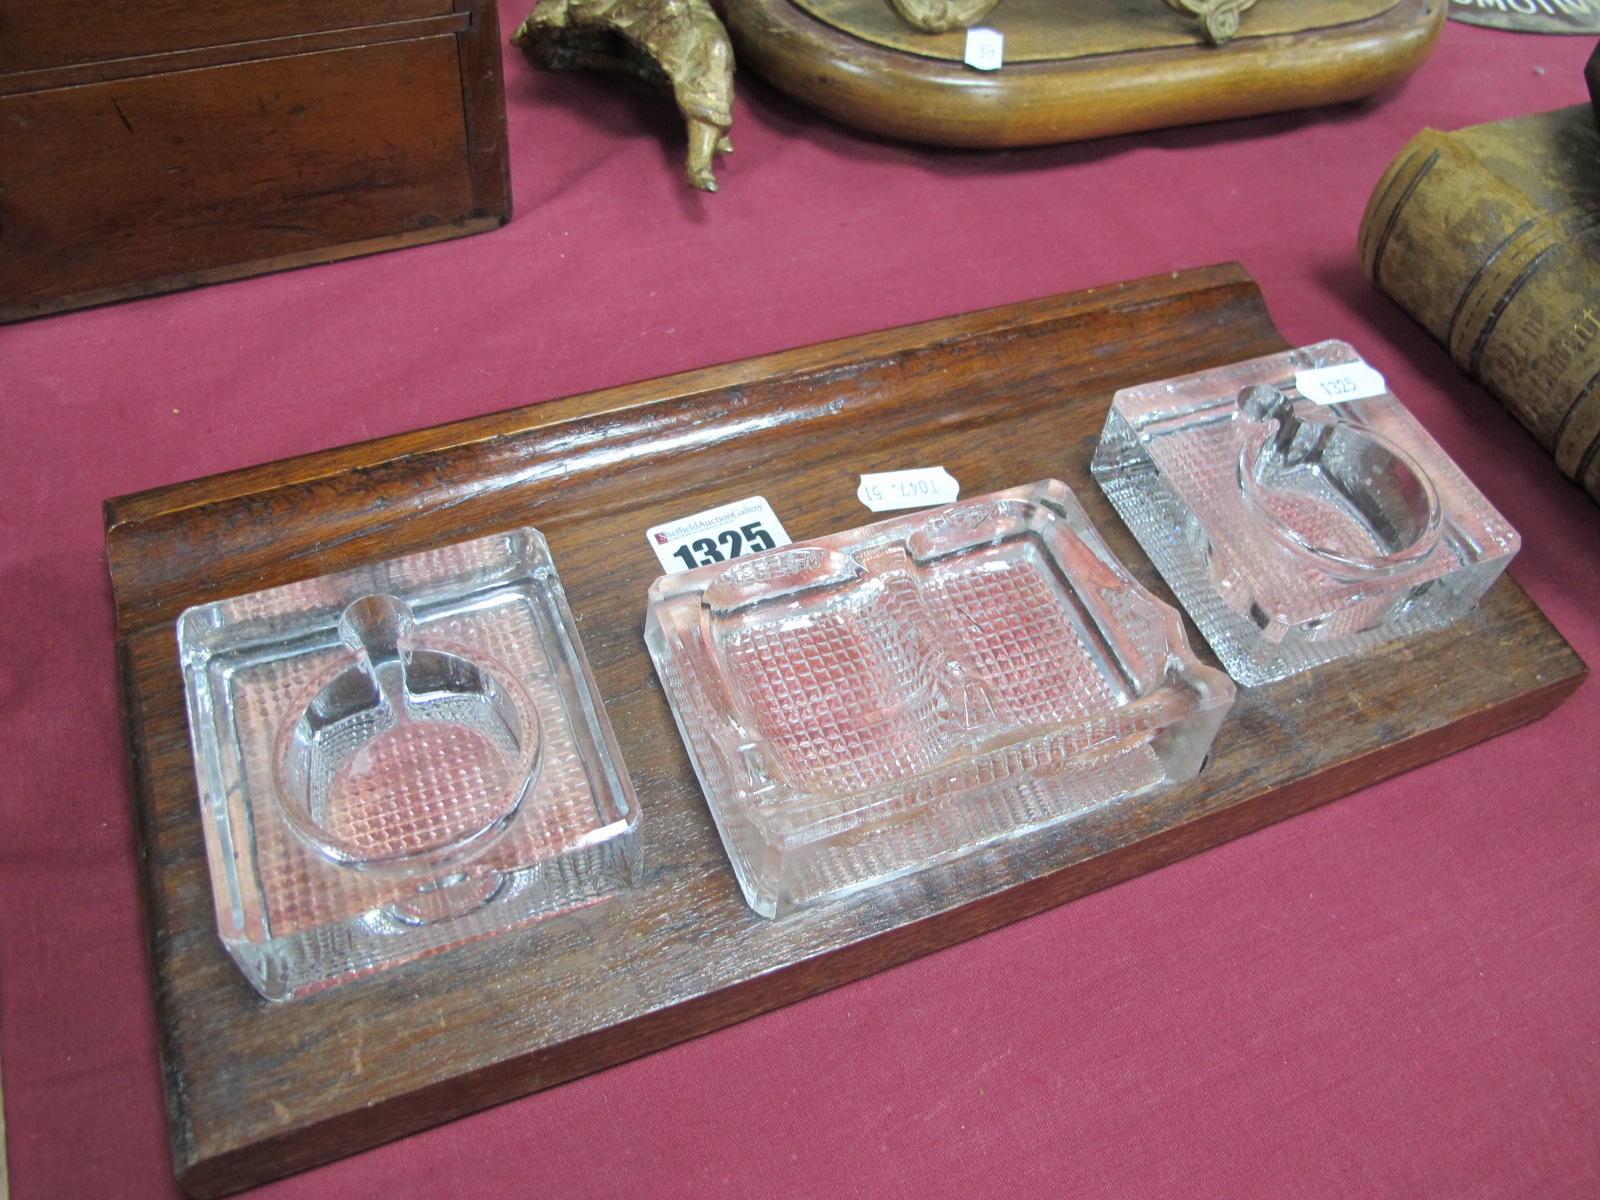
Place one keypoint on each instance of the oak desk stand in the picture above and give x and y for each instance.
(1000, 397)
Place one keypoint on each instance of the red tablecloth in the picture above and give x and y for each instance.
(1395, 995)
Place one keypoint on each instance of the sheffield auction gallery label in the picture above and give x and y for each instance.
(717, 535)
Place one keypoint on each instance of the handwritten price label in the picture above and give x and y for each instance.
(1347, 381)
(889, 490)
(717, 535)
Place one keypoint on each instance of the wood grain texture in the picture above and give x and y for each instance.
(39, 34)
(931, 100)
(152, 172)
(1001, 397)
(193, 58)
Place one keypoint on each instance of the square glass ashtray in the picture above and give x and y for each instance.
(871, 703)
(1296, 532)
(399, 758)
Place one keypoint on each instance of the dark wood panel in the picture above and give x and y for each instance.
(36, 35)
(1000, 398)
(107, 70)
(483, 98)
(112, 187)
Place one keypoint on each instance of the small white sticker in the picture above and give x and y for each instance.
(1347, 381)
(889, 490)
(986, 48)
(716, 535)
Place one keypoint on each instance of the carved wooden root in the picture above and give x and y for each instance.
(940, 16)
(676, 44)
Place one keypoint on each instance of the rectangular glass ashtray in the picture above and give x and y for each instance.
(871, 703)
(1294, 532)
(396, 759)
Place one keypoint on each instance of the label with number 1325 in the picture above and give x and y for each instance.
(717, 535)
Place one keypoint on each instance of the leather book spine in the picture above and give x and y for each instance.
(1488, 238)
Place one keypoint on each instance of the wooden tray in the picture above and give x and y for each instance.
(1000, 397)
(1113, 66)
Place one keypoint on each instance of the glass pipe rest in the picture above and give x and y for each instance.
(397, 759)
(1296, 533)
(871, 703)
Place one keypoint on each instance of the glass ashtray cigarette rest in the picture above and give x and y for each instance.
(1296, 533)
(871, 703)
(397, 759)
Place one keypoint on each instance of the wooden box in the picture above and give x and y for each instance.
(151, 146)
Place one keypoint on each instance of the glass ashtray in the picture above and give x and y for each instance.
(397, 759)
(1294, 532)
(871, 703)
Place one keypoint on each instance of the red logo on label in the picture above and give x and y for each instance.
(661, 539)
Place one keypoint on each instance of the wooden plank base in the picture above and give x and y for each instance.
(1000, 397)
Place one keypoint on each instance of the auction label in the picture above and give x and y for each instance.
(986, 49)
(889, 490)
(717, 535)
(1346, 381)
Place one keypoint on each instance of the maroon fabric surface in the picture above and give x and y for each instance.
(1395, 995)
